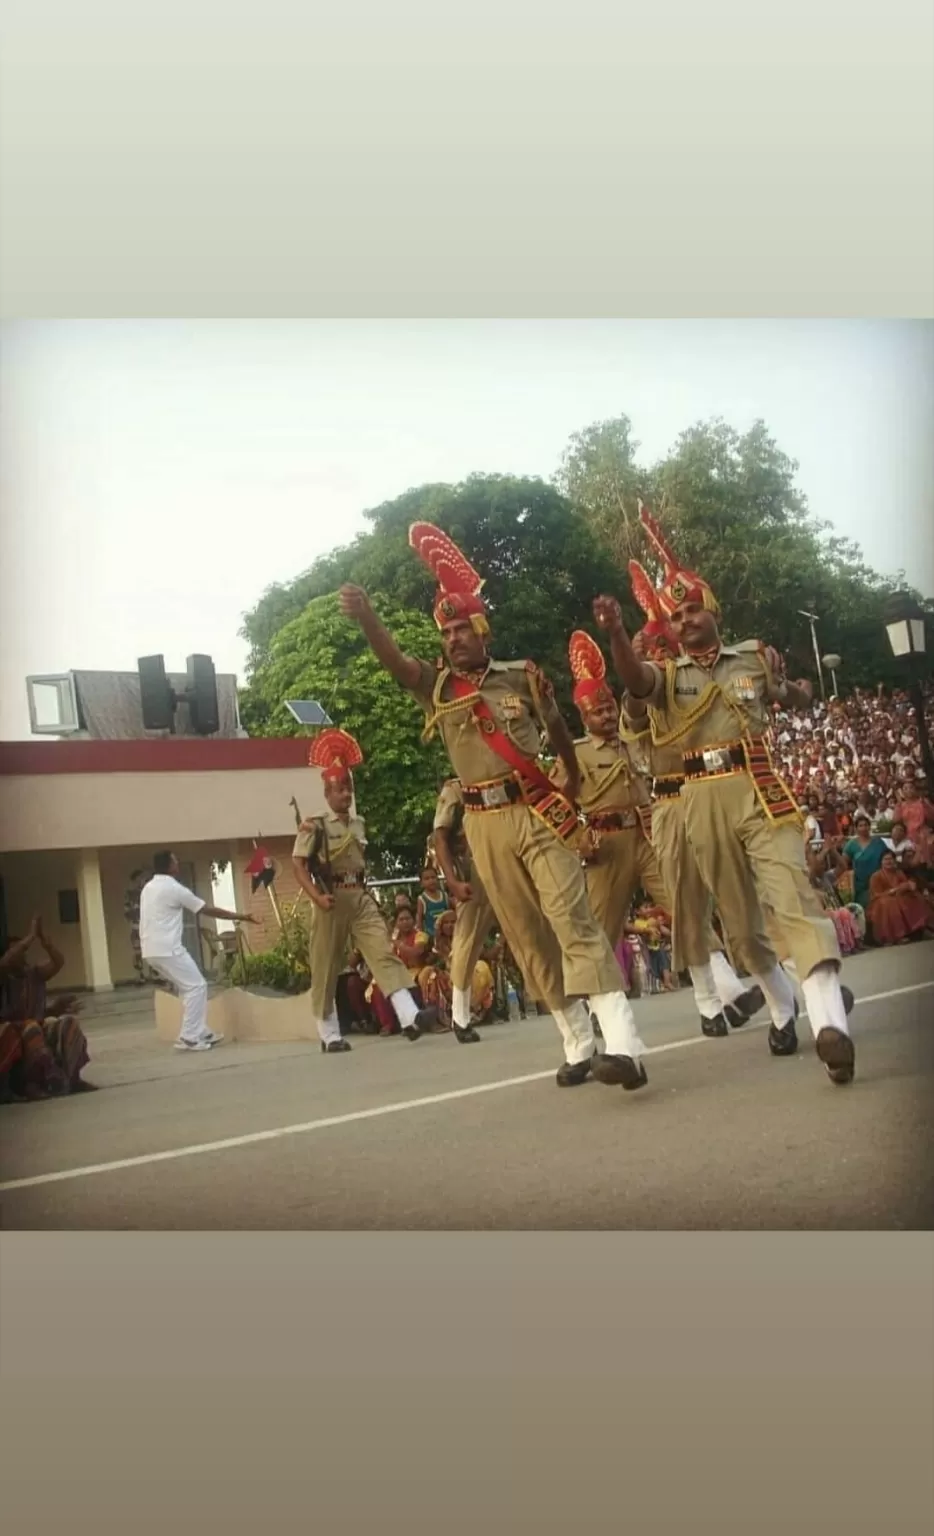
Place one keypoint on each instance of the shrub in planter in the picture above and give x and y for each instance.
(284, 968)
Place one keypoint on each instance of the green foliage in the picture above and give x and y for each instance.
(285, 966)
(730, 505)
(323, 656)
(600, 477)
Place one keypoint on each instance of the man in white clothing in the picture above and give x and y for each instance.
(162, 906)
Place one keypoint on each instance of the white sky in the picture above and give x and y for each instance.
(156, 477)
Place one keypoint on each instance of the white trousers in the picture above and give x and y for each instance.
(191, 987)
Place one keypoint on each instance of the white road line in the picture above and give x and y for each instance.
(254, 1137)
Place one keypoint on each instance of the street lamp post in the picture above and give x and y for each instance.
(904, 625)
(812, 619)
(833, 664)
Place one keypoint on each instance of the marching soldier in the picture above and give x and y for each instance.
(721, 998)
(473, 910)
(615, 847)
(743, 824)
(492, 717)
(330, 866)
(619, 852)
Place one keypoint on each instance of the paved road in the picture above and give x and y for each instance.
(440, 1136)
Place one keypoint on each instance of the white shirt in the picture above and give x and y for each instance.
(163, 903)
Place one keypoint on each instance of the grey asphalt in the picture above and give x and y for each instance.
(723, 1137)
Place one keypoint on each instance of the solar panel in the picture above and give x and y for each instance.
(308, 712)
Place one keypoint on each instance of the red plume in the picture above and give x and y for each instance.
(587, 661)
(335, 752)
(452, 571)
(588, 667)
(657, 539)
(644, 592)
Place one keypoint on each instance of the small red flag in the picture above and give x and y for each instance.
(261, 869)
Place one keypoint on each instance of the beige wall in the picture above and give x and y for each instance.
(32, 882)
(110, 810)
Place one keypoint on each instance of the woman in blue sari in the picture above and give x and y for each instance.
(864, 854)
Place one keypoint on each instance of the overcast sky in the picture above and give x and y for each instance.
(156, 477)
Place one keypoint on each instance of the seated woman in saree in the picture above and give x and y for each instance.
(53, 1048)
(897, 912)
(863, 853)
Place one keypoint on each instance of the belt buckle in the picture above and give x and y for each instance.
(716, 759)
(494, 795)
(628, 819)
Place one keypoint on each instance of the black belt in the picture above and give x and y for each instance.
(711, 762)
(667, 789)
(492, 797)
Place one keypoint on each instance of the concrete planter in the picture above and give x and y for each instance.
(246, 1016)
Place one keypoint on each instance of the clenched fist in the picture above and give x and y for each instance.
(608, 614)
(354, 603)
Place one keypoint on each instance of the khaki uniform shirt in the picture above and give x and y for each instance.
(521, 701)
(609, 781)
(691, 707)
(346, 842)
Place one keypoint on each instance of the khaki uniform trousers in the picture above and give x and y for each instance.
(732, 839)
(693, 937)
(472, 924)
(542, 906)
(355, 921)
(625, 860)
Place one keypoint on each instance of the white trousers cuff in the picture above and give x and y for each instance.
(824, 1000)
(728, 985)
(618, 1023)
(405, 1007)
(576, 1032)
(706, 994)
(779, 994)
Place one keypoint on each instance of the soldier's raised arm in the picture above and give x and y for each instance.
(640, 678)
(355, 604)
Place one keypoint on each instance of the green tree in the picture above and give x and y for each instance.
(601, 478)
(321, 655)
(542, 566)
(730, 504)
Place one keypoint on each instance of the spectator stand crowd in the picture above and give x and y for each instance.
(855, 766)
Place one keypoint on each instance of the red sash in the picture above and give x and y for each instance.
(549, 803)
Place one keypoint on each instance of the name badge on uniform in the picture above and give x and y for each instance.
(512, 707)
(744, 689)
(686, 688)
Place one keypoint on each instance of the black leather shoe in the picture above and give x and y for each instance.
(619, 1072)
(716, 1028)
(412, 1032)
(848, 1000)
(335, 1047)
(784, 1041)
(466, 1036)
(838, 1054)
(746, 1005)
(572, 1074)
(734, 1015)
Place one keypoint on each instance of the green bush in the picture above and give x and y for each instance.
(284, 967)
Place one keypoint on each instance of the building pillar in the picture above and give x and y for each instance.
(94, 946)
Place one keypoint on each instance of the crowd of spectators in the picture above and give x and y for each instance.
(855, 766)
